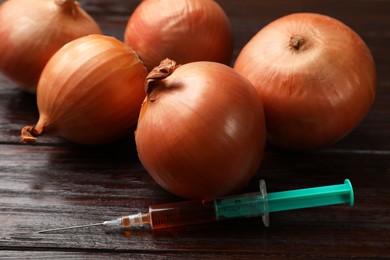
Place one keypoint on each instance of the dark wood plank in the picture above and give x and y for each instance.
(56, 183)
(70, 187)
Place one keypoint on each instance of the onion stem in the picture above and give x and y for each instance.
(29, 134)
(162, 71)
(297, 42)
(68, 6)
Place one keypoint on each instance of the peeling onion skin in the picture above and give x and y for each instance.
(182, 30)
(32, 31)
(316, 78)
(201, 130)
(90, 92)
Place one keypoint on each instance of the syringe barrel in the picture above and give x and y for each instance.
(181, 213)
(248, 205)
(207, 210)
(244, 206)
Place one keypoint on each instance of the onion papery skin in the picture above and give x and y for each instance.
(32, 31)
(90, 92)
(201, 131)
(316, 78)
(182, 30)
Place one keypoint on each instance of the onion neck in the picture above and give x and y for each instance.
(155, 78)
(29, 134)
(68, 6)
(297, 43)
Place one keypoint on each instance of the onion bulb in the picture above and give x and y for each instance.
(201, 129)
(90, 92)
(316, 78)
(32, 31)
(182, 30)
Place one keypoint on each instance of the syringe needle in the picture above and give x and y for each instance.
(71, 227)
(135, 220)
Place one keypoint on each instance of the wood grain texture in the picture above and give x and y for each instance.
(56, 183)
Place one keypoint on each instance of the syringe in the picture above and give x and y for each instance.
(254, 204)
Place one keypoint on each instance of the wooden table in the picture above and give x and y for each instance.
(55, 183)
